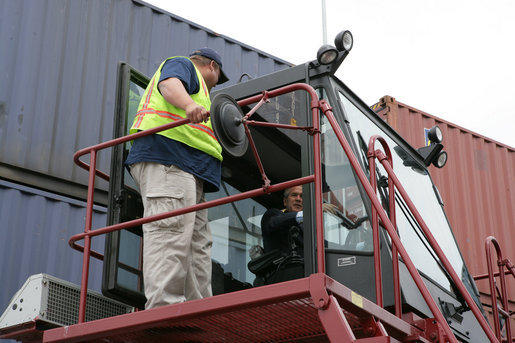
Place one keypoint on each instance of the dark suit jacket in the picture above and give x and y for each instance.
(275, 225)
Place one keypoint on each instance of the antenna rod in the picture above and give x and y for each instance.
(324, 24)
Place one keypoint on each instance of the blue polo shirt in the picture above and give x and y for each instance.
(160, 149)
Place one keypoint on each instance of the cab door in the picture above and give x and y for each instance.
(235, 227)
(122, 276)
(349, 249)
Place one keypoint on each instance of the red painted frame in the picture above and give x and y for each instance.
(266, 189)
(439, 252)
(325, 302)
(501, 263)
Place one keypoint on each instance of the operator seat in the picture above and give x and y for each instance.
(275, 265)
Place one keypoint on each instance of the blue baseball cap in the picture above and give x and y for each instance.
(213, 55)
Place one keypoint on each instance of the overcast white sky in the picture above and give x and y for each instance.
(454, 59)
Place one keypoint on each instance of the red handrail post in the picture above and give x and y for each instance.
(390, 229)
(441, 255)
(372, 155)
(375, 227)
(502, 279)
(318, 183)
(87, 238)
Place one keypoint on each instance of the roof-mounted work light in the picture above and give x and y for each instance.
(344, 41)
(441, 160)
(435, 134)
(433, 154)
(328, 54)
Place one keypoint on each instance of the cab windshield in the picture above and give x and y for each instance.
(422, 192)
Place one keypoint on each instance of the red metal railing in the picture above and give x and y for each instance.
(495, 293)
(316, 105)
(375, 225)
(266, 189)
(388, 225)
(379, 211)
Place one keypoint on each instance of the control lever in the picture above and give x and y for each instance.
(349, 224)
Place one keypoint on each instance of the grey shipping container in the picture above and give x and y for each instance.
(58, 72)
(58, 77)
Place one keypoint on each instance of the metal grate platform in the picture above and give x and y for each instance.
(292, 321)
(305, 310)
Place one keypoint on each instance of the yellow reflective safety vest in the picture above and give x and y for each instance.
(154, 110)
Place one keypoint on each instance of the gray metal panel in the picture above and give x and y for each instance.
(35, 227)
(58, 71)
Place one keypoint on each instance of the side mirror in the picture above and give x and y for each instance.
(226, 119)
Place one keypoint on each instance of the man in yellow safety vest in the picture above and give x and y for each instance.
(173, 169)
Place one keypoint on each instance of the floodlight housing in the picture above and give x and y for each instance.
(441, 160)
(435, 134)
(344, 41)
(327, 54)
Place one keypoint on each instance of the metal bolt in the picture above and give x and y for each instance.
(369, 331)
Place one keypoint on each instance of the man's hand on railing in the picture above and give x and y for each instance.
(196, 113)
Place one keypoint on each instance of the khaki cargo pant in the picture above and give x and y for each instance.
(177, 250)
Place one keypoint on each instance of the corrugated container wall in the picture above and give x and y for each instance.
(58, 73)
(35, 227)
(477, 184)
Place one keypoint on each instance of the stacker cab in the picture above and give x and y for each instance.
(281, 143)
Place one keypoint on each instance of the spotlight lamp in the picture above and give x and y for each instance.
(334, 55)
(344, 41)
(327, 54)
(433, 153)
(435, 134)
(440, 161)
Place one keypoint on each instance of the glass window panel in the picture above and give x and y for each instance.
(129, 243)
(348, 228)
(419, 186)
(288, 109)
(135, 94)
(129, 256)
(235, 228)
(127, 279)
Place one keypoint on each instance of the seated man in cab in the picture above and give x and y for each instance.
(278, 226)
(282, 229)
(283, 241)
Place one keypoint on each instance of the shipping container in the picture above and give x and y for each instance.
(35, 227)
(58, 74)
(477, 184)
(58, 77)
